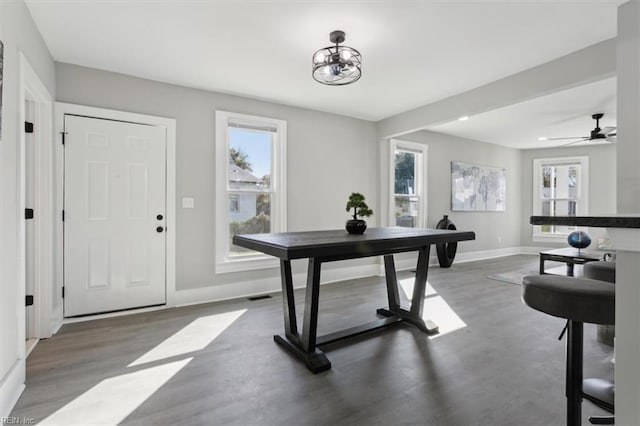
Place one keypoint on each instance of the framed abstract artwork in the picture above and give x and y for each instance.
(477, 188)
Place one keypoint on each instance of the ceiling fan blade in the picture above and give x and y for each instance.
(569, 137)
(607, 130)
(575, 142)
(612, 138)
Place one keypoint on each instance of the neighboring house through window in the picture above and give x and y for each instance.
(251, 194)
(560, 188)
(408, 206)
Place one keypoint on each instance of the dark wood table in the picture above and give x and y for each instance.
(329, 246)
(570, 256)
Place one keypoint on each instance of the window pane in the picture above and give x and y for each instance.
(407, 211)
(547, 177)
(573, 181)
(405, 173)
(252, 217)
(250, 154)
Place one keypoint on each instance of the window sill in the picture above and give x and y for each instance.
(250, 264)
(551, 238)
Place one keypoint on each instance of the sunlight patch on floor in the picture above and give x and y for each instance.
(407, 288)
(113, 399)
(193, 337)
(438, 310)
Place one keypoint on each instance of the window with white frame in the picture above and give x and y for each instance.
(408, 184)
(250, 186)
(560, 188)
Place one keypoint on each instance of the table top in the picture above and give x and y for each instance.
(338, 244)
(571, 252)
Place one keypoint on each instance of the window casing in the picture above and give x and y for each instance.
(250, 186)
(560, 188)
(407, 183)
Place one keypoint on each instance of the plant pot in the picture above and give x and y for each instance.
(356, 226)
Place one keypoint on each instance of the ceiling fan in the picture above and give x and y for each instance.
(608, 133)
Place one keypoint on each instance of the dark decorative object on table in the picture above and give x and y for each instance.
(446, 251)
(579, 240)
(360, 208)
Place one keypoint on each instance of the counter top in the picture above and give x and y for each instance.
(612, 221)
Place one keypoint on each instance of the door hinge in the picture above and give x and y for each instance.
(28, 213)
(63, 292)
(63, 215)
(63, 136)
(29, 300)
(28, 127)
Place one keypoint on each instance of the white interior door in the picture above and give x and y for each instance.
(114, 206)
(29, 202)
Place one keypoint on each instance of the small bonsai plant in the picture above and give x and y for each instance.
(360, 208)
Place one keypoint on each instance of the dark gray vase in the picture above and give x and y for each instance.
(446, 251)
(356, 226)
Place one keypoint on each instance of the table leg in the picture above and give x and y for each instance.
(414, 315)
(303, 346)
(311, 298)
(392, 282)
(542, 259)
(569, 269)
(288, 300)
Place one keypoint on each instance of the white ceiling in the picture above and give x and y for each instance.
(565, 113)
(414, 52)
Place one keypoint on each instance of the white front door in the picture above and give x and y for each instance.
(114, 215)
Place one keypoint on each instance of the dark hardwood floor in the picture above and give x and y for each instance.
(506, 367)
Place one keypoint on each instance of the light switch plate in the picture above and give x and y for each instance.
(188, 202)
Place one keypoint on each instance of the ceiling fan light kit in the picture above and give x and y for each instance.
(337, 65)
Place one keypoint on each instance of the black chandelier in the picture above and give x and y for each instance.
(337, 65)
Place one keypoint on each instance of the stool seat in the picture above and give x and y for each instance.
(576, 299)
(603, 271)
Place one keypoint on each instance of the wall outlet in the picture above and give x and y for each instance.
(188, 202)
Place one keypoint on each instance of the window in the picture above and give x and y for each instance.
(250, 186)
(560, 188)
(234, 203)
(408, 184)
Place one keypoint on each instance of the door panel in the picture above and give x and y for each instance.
(115, 185)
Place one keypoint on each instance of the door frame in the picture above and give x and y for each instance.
(62, 109)
(33, 90)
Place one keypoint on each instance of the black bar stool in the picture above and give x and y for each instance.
(579, 300)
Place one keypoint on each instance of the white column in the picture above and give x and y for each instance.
(627, 241)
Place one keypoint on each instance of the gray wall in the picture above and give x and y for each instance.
(19, 35)
(328, 157)
(494, 230)
(602, 185)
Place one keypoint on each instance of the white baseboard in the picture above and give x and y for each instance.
(492, 254)
(56, 320)
(241, 289)
(404, 264)
(11, 387)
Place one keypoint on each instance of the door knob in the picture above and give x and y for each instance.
(159, 229)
